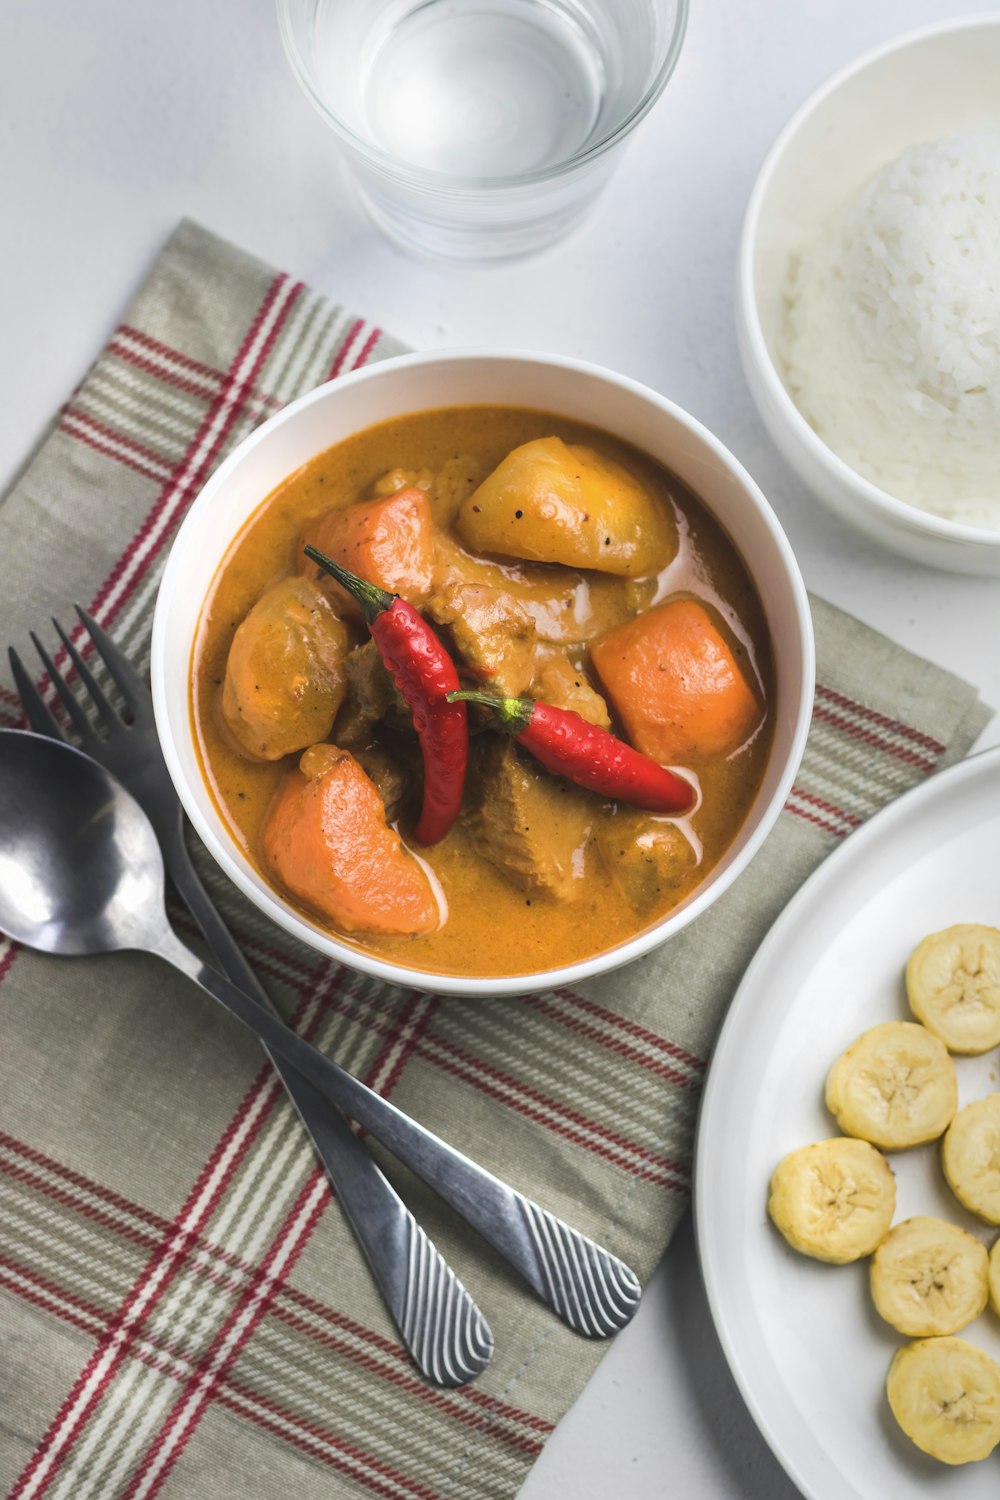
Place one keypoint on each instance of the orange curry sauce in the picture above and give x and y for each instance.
(493, 926)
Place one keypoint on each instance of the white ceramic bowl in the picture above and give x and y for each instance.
(417, 383)
(927, 84)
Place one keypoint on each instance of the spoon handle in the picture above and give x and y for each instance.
(439, 1323)
(591, 1290)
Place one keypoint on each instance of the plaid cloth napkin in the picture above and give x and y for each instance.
(182, 1309)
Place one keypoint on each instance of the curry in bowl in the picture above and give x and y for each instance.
(547, 563)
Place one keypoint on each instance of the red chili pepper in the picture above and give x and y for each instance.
(425, 675)
(568, 746)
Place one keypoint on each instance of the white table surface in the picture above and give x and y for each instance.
(118, 118)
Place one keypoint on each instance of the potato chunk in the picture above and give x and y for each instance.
(285, 673)
(644, 856)
(493, 636)
(556, 503)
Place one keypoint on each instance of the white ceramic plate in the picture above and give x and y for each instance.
(807, 1349)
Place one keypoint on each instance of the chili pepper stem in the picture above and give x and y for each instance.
(373, 600)
(514, 713)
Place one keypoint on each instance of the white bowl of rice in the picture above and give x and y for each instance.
(868, 296)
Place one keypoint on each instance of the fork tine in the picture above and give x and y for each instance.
(38, 716)
(104, 709)
(130, 684)
(69, 702)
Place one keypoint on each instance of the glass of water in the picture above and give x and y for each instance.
(482, 129)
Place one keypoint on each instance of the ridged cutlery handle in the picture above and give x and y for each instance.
(439, 1323)
(590, 1289)
(446, 1334)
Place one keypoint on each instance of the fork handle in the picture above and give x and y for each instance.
(438, 1321)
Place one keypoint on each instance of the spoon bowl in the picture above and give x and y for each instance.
(80, 868)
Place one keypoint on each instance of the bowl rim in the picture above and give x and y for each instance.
(395, 168)
(219, 842)
(884, 503)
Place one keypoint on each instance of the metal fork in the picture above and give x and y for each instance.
(439, 1323)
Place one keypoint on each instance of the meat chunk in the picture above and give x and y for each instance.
(445, 487)
(370, 696)
(559, 682)
(562, 605)
(453, 484)
(646, 857)
(285, 673)
(493, 637)
(389, 778)
(534, 827)
(503, 619)
(394, 480)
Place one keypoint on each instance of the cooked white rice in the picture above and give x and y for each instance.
(892, 345)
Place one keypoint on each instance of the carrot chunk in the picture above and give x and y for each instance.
(388, 542)
(675, 683)
(327, 841)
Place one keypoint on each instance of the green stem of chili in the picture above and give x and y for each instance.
(372, 599)
(513, 713)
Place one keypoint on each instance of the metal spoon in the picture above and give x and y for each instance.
(81, 872)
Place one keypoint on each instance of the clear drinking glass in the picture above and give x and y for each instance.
(482, 129)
